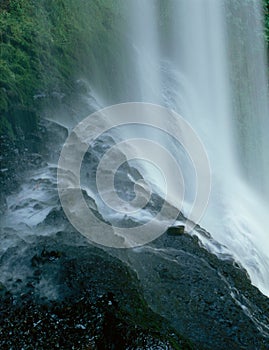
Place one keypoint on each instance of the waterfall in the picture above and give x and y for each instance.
(204, 60)
(248, 65)
(143, 15)
(210, 67)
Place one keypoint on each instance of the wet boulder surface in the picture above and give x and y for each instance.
(61, 296)
(210, 301)
(61, 292)
(58, 291)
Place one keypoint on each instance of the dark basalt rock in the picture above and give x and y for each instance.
(208, 300)
(76, 297)
(176, 230)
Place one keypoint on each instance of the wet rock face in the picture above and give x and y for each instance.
(176, 230)
(17, 156)
(209, 301)
(76, 297)
(73, 325)
(62, 293)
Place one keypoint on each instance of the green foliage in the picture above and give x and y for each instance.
(5, 128)
(46, 44)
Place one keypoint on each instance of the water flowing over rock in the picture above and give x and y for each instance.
(196, 284)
